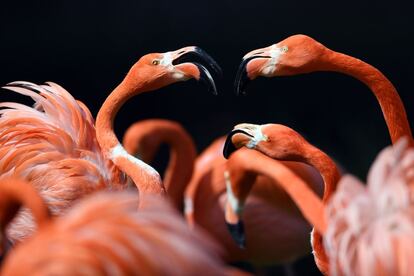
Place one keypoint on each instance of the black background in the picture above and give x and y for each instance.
(87, 47)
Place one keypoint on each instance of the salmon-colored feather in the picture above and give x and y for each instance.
(104, 234)
(371, 228)
(66, 133)
(52, 144)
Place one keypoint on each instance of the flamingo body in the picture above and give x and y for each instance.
(105, 234)
(56, 146)
(53, 145)
(206, 197)
(371, 227)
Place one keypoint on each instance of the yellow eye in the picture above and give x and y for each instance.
(284, 49)
(156, 62)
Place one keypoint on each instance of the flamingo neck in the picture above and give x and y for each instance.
(326, 167)
(144, 176)
(181, 165)
(15, 193)
(150, 135)
(330, 175)
(244, 173)
(385, 92)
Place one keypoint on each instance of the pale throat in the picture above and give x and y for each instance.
(119, 152)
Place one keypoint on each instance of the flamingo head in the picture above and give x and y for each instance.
(274, 140)
(157, 70)
(296, 54)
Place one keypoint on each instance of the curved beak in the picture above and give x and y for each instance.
(248, 135)
(243, 76)
(229, 147)
(260, 62)
(193, 62)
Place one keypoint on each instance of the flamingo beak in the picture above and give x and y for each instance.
(248, 135)
(233, 212)
(188, 63)
(237, 232)
(260, 62)
(229, 146)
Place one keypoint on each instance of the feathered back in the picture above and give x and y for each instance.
(105, 234)
(52, 145)
(371, 229)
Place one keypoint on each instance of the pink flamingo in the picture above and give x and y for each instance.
(205, 194)
(300, 54)
(366, 230)
(205, 199)
(284, 144)
(55, 146)
(104, 234)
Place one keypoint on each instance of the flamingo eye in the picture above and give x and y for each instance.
(155, 62)
(284, 49)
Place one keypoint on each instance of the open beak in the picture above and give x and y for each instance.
(255, 63)
(189, 61)
(248, 135)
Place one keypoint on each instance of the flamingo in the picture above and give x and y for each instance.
(105, 234)
(205, 193)
(56, 146)
(366, 230)
(300, 54)
(144, 138)
(205, 199)
(284, 144)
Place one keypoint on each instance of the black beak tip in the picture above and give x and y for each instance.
(228, 148)
(242, 79)
(213, 91)
(206, 78)
(212, 64)
(241, 92)
(237, 233)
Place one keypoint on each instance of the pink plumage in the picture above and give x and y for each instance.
(371, 228)
(106, 234)
(52, 145)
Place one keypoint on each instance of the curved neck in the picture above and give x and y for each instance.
(15, 193)
(330, 174)
(144, 176)
(243, 167)
(144, 138)
(385, 92)
(180, 167)
(325, 166)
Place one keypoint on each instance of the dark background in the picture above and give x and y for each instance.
(87, 47)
